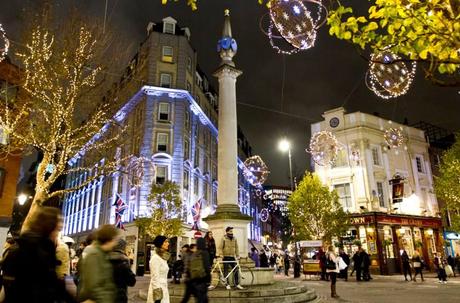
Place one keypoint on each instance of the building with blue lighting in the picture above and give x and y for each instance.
(170, 112)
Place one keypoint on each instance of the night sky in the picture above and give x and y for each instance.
(327, 76)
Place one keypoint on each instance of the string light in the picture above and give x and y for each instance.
(324, 148)
(394, 137)
(138, 169)
(4, 44)
(264, 214)
(387, 78)
(295, 24)
(256, 171)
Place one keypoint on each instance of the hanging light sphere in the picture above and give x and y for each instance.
(324, 148)
(264, 214)
(140, 170)
(394, 137)
(4, 44)
(388, 77)
(255, 171)
(296, 22)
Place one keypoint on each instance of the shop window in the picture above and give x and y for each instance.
(162, 142)
(165, 80)
(163, 111)
(344, 192)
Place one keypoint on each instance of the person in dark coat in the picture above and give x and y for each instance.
(287, 263)
(366, 263)
(451, 262)
(346, 259)
(263, 259)
(122, 274)
(199, 285)
(406, 265)
(210, 246)
(322, 264)
(357, 261)
(34, 259)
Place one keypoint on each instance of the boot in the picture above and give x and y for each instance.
(334, 292)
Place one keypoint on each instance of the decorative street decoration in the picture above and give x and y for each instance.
(388, 76)
(138, 168)
(256, 172)
(243, 197)
(295, 23)
(4, 44)
(120, 207)
(196, 214)
(264, 214)
(324, 148)
(394, 137)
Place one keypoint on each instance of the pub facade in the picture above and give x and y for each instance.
(386, 187)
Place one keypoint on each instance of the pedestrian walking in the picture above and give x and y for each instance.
(332, 268)
(357, 261)
(451, 262)
(439, 264)
(122, 273)
(263, 259)
(287, 263)
(188, 287)
(97, 283)
(365, 265)
(322, 264)
(346, 260)
(255, 256)
(158, 288)
(405, 260)
(279, 264)
(210, 246)
(273, 260)
(230, 253)
(63, 257)
(179, 265)
(457, 261)
(29, 268)
(198, 272)
(418, 265)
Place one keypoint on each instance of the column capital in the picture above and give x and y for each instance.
(227, 70)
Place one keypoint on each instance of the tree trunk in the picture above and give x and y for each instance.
(37, 202)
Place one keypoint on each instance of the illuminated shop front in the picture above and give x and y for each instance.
(385, 236)
(452, 243)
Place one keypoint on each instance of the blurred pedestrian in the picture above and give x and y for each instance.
(322, 264)
(287, 263)
(263, 259)
(179, 265)
(210, 246)
(457, 261)
(332, 268)
(63, 256)
(451, 262)
(365, 264)
(30, 267)
(439, 264)
(122, 273)
(255, 257)
(97, 283)
(158, 289)
(406, 265)
(199, 272)
(188, 287)
(418, 265)
(346, 259)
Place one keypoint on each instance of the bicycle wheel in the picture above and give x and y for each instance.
(215, 279)
(247, 276)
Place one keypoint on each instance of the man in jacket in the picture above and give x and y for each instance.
(122, 273)
(97, 282)
(357, 261)
(229, 252)
(346, 259)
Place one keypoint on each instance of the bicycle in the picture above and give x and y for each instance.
(217, 274)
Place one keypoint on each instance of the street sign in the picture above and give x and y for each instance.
(197, 235)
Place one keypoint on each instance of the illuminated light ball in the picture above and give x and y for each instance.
(259, 192)
(4, 44)
(264, 215)
(324, 148)
(388, 77)
(394, 137)
(138, 169)
(255, 171)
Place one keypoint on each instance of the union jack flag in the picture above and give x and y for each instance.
(120, 207)
(196, 214)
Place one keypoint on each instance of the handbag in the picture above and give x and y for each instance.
(449, 270)
(342, 264)
(417, 264)
(157, 294)
(330, 264)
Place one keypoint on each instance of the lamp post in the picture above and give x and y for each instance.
(285, 146)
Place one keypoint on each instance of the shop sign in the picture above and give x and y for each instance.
(452, 236)
(318, 243)
(361, 220)
(409, 221)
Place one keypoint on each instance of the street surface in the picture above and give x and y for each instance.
(382, 289)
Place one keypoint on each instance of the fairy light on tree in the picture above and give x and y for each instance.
(388, 76)
(324, 148)
(4, 44)
(64, 114)
(256, 171)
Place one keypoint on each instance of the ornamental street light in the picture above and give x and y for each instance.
(22, 199)
(285, 146)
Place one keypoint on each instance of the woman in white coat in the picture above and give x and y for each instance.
(158, 289)
(332, 268)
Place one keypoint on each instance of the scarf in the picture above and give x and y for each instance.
(163, 254)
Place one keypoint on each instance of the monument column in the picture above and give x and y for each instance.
(228, 211)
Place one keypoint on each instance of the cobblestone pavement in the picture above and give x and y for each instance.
(382, 289)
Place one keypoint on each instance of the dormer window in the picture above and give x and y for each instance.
(169, 28)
